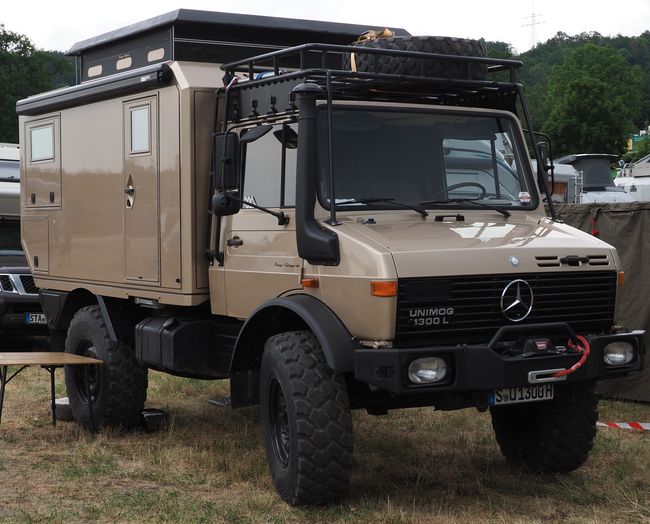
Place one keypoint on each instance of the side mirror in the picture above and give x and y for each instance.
(225, 203)
(225, 156)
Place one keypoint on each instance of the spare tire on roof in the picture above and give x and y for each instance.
(399, 65)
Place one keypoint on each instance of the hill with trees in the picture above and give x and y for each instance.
(25, 71)
(588, 91)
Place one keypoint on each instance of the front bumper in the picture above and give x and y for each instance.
(480, 367)
(15, 310)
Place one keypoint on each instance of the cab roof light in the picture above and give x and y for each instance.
(383, 288)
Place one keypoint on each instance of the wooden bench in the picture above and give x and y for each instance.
(49, 361)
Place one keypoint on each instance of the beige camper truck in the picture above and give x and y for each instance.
(328, 226)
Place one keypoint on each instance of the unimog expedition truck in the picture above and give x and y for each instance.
(329, 226)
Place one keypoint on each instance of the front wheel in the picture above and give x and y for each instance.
(553, 436)
(306, 421)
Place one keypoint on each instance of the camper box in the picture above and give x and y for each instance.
(116, 169)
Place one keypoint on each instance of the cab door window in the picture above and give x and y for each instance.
(270, 168)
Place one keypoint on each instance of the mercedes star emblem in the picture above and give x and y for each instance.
(517, 300)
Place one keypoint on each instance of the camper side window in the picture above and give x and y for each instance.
(140, 129)
(42, 143)
(270, 168)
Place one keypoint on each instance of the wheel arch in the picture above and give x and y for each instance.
(60, 307)
(291, 313)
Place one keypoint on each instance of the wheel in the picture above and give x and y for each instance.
(446, 190)
(398, 65)
(118, 388)
(549, 437)
(306, 421)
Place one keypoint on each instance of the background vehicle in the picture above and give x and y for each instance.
(635, 179)
(595, 174)
(20, 308)
(328, 230)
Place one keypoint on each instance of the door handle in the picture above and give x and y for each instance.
(129, 191)
(234, 242)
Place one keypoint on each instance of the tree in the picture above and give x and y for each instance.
(596, 94)
(25, 71)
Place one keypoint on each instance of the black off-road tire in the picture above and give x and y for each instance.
(398, 65)
(553, 436)
(306, 421)
(118, 387)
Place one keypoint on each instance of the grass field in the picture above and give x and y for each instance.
(209, 466)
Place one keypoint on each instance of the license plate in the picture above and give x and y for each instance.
(533, 393)
(35, 318)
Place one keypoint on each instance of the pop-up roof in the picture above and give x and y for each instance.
(202, 36)
(595, 168)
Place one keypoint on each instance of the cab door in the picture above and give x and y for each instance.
(141, 177)
(261, 257)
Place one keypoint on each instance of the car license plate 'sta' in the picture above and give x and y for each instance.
(533, 393)
(35, 318)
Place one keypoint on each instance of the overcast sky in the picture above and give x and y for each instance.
(57, 24)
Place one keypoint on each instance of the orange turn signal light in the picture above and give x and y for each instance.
(620, 278)
(383, 288)
(310, 283)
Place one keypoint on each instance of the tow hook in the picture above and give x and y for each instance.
(545, 375)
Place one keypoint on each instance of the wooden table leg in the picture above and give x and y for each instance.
(3, 382)
(52, 369)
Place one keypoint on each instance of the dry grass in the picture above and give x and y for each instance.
(209, 466)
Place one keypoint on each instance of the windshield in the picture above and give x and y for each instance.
(422, 158)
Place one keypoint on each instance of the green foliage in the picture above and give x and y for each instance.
(596, 95)
(25, 71)
(540, 62)
(642, 149)
(498, 49)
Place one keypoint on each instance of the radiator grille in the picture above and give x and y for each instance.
(5, 283)
(585, 300)
(28, 284)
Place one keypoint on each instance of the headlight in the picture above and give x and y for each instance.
(618, 353)
(427, 370)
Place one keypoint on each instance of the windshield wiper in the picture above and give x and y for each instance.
(504, 212)
(391, 201)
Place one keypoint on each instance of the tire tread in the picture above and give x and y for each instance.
(127, 380)
(398, 65)
(323, 420)
(549, 437)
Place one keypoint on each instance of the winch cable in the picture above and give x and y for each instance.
(584, 349)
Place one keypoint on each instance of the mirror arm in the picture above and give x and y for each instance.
(283, 219)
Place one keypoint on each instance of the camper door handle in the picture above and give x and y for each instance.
(234, 242)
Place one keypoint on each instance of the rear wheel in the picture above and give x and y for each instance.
(117, 389)
(554, 436)
(306, 421)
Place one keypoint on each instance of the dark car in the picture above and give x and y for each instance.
(20, 306)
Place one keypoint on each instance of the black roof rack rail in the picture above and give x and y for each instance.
(272, 76)
(261, 62)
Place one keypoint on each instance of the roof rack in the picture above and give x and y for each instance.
(269, 78)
